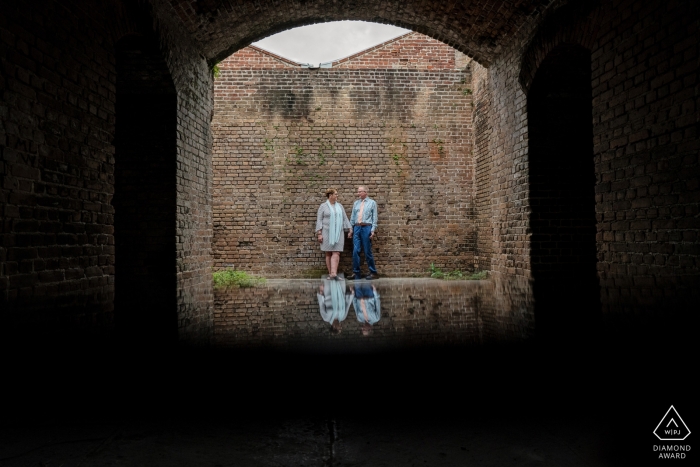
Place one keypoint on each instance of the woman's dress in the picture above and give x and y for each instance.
(323, 222)
(335, 302)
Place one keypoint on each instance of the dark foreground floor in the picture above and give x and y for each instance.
(555, 404)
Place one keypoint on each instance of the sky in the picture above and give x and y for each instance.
(325, 42)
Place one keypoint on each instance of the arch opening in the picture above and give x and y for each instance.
(396, 117)
(562, 194)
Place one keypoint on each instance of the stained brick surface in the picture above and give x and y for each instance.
(399, 123)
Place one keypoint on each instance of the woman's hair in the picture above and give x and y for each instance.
(335, 327)
(330, 192)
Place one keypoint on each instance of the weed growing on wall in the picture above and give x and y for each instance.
(440, 147)
(234, 278)
(437, 273)
(305, 161)
(398, 150)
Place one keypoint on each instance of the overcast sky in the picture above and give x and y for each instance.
(325, 42)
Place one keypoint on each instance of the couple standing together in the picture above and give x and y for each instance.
(332, 220)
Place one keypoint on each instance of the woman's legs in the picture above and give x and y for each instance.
(335, 259)
(328, 261)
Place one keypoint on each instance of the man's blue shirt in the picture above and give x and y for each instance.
(369, 215)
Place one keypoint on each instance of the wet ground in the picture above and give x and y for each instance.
(415, 372)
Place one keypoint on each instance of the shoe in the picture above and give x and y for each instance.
(370, 276)
(355, 277)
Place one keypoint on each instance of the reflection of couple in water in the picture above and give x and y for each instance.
(334, 302)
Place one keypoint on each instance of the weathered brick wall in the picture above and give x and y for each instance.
(56, 172)
(408, 51)
(195, 90)
(644, 81)
(483, 101)
(282, 136)
(645, 136)
(57, 130)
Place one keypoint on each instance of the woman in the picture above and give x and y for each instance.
(334, 303)
(331, 221)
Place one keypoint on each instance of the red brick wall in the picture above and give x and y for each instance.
(409, 51)
(282, 137)
(255, 58)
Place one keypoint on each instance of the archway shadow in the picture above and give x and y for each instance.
(566, 287)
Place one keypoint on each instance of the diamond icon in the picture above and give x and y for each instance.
(671, 427)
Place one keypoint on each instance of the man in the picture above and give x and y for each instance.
(364, 224)
(367, 307)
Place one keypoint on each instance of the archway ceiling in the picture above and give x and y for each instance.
(479, 28)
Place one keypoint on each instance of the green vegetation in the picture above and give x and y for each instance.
(215, 71)
(437, 273)
(466, 91)
(299, 153)
(440, 148)
(233, 278)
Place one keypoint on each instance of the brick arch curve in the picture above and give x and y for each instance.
(480, 28)
(442, 37)
(568, 25)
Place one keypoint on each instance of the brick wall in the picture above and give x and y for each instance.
(644, 64)
(194, 84)
(282, 136)
(408, 51)
(483, 165)
(56, 172)
(57, 136)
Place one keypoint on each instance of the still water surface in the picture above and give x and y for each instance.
(323, 314)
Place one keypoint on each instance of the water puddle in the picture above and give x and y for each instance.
(346, 315)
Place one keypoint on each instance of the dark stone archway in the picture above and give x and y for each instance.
(562, 193)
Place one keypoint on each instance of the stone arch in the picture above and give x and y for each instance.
(562, 181)
(568, 24)
(145, 194)
(479, 28)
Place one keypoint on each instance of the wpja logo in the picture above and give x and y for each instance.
(671, 428)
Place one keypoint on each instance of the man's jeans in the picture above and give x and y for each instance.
(360, 238)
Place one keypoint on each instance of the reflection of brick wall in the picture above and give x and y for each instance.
(282, 136)
(414, 312)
